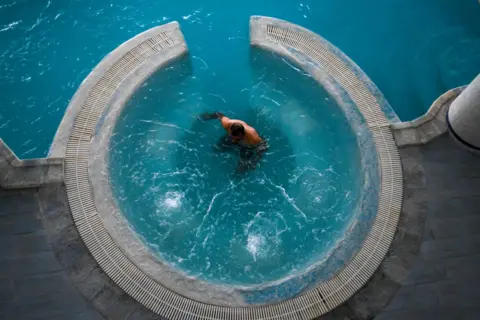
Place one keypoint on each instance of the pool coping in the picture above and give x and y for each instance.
(130, 278)
(16, 173)
(429, 126)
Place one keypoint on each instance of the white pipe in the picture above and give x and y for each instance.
(463, 116)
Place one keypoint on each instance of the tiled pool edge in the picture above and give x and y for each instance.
(429, 126)
(331, 293)
(16, 173)
(119, 230)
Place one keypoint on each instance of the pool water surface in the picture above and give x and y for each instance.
(188, 203)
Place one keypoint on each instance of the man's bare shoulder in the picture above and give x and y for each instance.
(226, 122)
(253, 135)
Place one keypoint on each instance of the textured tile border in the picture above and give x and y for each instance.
(429, 126)
(94, 96)
(16, 173)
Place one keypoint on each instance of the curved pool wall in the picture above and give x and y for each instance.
(112, 242)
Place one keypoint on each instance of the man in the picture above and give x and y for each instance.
(239, 133)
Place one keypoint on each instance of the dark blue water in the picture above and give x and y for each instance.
(414, 50)
(188, 202)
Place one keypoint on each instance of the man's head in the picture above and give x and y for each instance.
(237, 131)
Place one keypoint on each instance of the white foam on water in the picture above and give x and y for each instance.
(290, 200)
(255, 244)
(173, 200)
(208, 212)
(165, 124)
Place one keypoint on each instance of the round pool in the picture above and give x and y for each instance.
(197, 213)
(169, 217)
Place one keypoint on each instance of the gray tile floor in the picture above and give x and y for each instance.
(33, 284)
(444, 282)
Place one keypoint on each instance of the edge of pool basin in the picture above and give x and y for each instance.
(315, 302)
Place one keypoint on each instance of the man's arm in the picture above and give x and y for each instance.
(226, 122)
(211, 116)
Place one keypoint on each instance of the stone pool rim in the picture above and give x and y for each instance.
(313, 303)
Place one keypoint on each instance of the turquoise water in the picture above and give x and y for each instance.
(190, 205)
(414, 50)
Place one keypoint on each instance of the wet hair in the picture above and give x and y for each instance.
(237, 129)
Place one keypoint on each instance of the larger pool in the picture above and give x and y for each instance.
(414, 50)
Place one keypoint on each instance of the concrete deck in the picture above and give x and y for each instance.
(33, 284)
(444, 282)
(43, 262)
